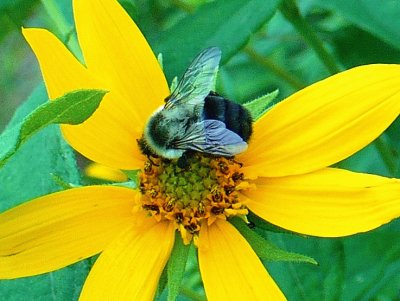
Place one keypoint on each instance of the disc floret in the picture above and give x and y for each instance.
(208, 189)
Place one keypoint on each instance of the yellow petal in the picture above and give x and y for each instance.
(130, 267)
(109, 135)
(99, 171)
(229, 267)
(59, 229)
(329, 202)
(325, 122)
(116, 51)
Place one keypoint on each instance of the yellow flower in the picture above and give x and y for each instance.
(284, 178)
(102, 172)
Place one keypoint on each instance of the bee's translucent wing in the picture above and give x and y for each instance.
(222, 141)
(212, 137)
(197, 81)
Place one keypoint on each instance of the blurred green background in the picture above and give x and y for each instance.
(266, 45)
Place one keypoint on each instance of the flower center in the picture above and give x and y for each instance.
(208, 189)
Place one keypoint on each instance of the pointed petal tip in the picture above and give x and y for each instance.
(128, 64)
(325, 122)
(327, 203)
(56, 230)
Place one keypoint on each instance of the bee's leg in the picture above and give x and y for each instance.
(183, 161)
(213, 93)
(232, 159)
(151, 161)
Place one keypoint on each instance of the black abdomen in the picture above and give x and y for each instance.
(235, 116)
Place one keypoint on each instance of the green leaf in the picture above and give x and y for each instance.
(162, 283)
(132, 175)
(372, 266)
(27, 175)
(381, 18)
(227, 24)
(160, 60)
(305, 281)
(335, 274)
(370, 49)
(359, 267)
(60, 182)
(174, 84)
(266, 250)
(260, 105)
(12, 17)
(128, 184)
(72, 108)
(176, 267)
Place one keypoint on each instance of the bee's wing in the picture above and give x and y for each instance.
(197, 81)
(212, 137)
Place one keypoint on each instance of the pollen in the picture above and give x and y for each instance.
(208, 189)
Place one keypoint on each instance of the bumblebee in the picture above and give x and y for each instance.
(196, 119)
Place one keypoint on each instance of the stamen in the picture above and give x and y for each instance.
(205, 191)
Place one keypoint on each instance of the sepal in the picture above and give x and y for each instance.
(176, 267)
(266, 250)
(262, 104)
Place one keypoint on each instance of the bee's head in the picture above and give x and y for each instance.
(160, 133)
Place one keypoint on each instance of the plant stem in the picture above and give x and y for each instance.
(291, 12)
(292, 271)
(191, 294)
(385, 272)
(62, 26)
(186, 7)
(278, 71)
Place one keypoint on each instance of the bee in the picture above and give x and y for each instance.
(196, 119)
